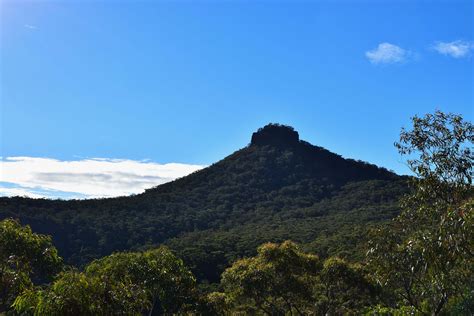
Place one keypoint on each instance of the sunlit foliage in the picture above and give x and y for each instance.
(425, 256)
(283, 280)
(25, 258)
(153, 281)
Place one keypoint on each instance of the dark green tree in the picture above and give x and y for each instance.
(167, 282)
(130, 283)
(343, 289)
(75, 293)
(25, 258)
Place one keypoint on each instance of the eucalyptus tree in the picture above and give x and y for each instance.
(25, 258)
(168, 284)
(283, 280)
(278, 281)
(425, 256)
(124, 283)
(76, 293)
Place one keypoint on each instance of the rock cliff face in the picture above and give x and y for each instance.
(275, 135)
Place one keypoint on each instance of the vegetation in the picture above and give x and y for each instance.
(153, 281)
(168, 284)
(75, 293)
(277, 281)
(275, 189)
(418, 263)
(425, 256)
(282, 280)
(25, 258)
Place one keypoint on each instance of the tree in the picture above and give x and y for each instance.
(278, 281)
(167, 282)
(75, 293)
(25, 258)
(283, 280)
(129, 283)
(425, 256)
(343, 288)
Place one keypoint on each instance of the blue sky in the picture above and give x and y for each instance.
(189, 81)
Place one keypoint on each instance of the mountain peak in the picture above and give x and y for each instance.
(276, 135)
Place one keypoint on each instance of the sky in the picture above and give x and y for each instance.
(107, 98)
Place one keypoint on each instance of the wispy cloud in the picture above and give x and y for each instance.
(19, 192)
(387, 53)
(456, 49)
(86, 178)
(29, 26)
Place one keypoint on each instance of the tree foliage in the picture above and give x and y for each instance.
(344, 288)
(76, 293)
(283, 280)
(25, 258)
(425, 256)
(153, 282)
(277, 281)
(168, 283)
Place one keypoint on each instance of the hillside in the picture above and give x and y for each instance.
(276, 188)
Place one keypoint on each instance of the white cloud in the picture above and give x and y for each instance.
(387, 53)
(19, 192)
(456, 49)
(29, 26)
(90, 178)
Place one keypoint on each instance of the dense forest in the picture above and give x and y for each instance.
(217, 242)
(275, 189)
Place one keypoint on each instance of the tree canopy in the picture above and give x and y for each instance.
(130, 283)
(426, 255)
(25, 258)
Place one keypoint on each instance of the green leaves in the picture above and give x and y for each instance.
(425, 256)
(439, 149)
(75, 293)
(120, 284)
(24, 256)
(168, 284)
(283, 280)
(344, 288)
(278, 280)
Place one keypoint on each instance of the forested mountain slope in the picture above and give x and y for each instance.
(277, 188)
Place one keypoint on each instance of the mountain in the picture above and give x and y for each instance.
(278, 187)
